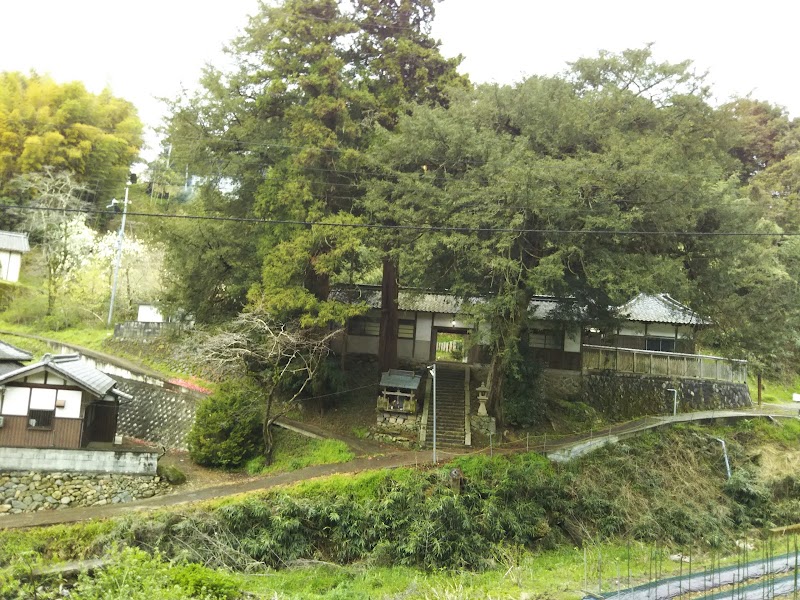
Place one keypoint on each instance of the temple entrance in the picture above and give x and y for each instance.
(451, 345)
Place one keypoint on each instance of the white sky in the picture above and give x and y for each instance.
(150, 48)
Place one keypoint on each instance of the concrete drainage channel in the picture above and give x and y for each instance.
(734, 576)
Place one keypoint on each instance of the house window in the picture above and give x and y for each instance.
(41, 419)
(364, 326)
(660, 344)
(547, 338)
(405, 329)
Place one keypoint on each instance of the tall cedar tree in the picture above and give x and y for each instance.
(288, 128)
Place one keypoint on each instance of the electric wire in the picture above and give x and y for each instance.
(417, 228)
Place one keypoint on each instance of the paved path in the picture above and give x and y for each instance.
(399, 459)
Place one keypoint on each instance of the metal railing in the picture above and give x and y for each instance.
(665, 364)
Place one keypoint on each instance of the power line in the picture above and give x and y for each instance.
(417, 228)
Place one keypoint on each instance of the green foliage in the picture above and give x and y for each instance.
(752, 498)
(523, 397)
(58, 543)
(289, 124)
(135, 575)
(95, 137)
(199, 581)
(227, 426)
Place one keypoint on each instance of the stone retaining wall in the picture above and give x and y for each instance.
(623, 396)
(32, 491)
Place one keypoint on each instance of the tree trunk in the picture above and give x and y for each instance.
(318, 284)
(266, 429)
(387, 343)
(494, 405)
(759, 390)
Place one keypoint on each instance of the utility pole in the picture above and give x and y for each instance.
(432, 370)
(118, 258)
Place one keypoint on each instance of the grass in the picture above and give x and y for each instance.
(774, 390)
(100, 340)
(559, 574)
(294, 451)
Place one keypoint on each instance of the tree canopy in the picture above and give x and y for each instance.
(287, 127)
(617, 177)
(62, 127)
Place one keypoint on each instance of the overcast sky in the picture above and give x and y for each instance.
(150, 48)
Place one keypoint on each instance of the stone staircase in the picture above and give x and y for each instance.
(450, 407)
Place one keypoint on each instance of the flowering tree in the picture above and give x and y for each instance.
(57, 227)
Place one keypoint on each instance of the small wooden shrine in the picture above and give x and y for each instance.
(399, 391)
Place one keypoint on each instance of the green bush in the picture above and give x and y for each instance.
(171, 473)
(135, 575)
(199, 581)
(227, 426)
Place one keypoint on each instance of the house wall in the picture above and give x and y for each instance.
(86, 461)
(416, 349)
(423, 335)
(149, 314)
(10, 265)
(66, 433)
(666, 330)
(18, 400)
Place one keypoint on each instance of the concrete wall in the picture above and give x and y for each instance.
(86, 461)
(140, 331)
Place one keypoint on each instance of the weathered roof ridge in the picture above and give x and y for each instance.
(660, 308)
(14, 241)
(69, 366)
(9, 352)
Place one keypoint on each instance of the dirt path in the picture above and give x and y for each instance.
(73, 515)
(397, 459)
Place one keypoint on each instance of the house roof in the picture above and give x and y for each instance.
(543, 307)
(15, 242)
(69, 366)
(404, 380)
(660, 308)
(9, 352)
(649, 308)
(411, 300)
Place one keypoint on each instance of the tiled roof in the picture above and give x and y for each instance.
(15, 242)
(543, 307)
(404, 380)
(660, 308)
(410, 300)
(69, 366)
(9, 352)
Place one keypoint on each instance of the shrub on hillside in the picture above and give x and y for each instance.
(227, 427)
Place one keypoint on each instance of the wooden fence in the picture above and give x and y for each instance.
(452, 346)
(665, 364)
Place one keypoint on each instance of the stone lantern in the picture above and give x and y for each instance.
(483, 396)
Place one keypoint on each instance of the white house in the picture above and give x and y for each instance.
(59, 402)
(12, 247)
